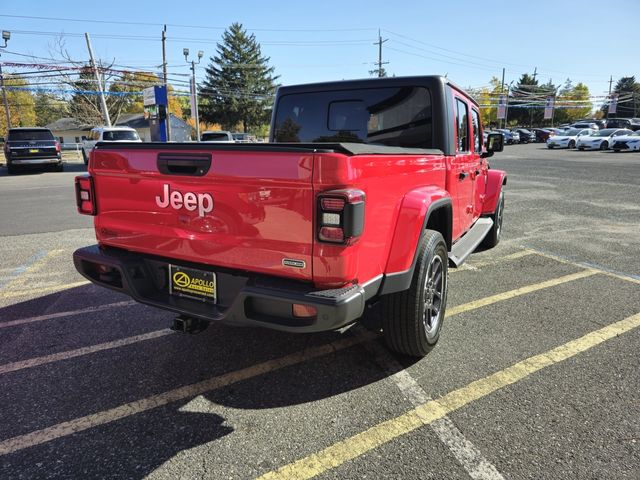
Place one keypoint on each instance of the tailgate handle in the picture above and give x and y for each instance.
(193, 165)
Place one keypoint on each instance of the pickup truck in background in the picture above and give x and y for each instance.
(367, 191)
(32, 147)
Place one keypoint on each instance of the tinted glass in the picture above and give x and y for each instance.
(397, 116)
(19, 135)
(463, 125)
(604, 133)
(475, 118)
(116, 135)
(215, 137)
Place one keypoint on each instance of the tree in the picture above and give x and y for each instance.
(49, 108)
(21, 104)
(628, 91)
(239, 85)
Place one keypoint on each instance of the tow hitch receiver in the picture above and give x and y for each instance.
(184, 324)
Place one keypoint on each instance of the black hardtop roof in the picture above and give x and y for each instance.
(425, 80)
(29, 128)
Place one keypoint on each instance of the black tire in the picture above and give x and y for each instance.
(550, 147)
(493, 237)
(60, 167)
(85, 157)
(604, 145)
(11, 169)
(581, 149)
(572, 144)
(413, 318)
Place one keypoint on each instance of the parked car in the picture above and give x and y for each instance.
(601, 123)
(509, 137)
(239, 137)
(107, 134)
(625, 142)
(568, 138)
(218, 136)
(591, 125)
(542, 134)
(526, 136)
(602, 139)
(623, 123)
(29, 147)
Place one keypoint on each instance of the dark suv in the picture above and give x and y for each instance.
(32, 147)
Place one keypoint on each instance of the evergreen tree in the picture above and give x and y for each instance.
(49, 108)
(628, 91)
(239, 85)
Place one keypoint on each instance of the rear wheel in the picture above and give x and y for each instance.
(12, 169)
(85, 157)
(60, 167)
(413, 318)
(572, 144)
(550, 147)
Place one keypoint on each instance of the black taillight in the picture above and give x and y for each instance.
(340, 216)
(85, 195)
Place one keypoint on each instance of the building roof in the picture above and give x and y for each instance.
(67, 123)
(137, 120)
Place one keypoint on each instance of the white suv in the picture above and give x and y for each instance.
(107, 134)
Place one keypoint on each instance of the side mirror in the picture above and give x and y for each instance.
(495, 143)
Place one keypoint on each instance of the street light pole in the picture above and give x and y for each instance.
(6, 35)
(194, 89)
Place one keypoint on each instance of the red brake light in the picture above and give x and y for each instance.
(340, 216)
(85, 195)
(58, 148)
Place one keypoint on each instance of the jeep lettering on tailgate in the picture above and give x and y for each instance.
(190, 201)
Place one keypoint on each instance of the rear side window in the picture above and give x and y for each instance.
(477, 141)
(34, 134)
(462, 123)
(394, 116)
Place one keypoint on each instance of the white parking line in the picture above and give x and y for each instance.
(467, 454)
(56, 357)
(69, 313)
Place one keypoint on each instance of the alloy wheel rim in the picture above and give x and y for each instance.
(433, 296)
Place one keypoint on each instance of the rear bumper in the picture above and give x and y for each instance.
(34, 161)
(243, 298)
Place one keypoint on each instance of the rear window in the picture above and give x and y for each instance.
(119, 135)
(215, 137)
(395, 116)
(18, 135)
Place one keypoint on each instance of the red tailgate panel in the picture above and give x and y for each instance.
(262, 209)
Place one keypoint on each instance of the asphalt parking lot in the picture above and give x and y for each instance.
(536, 375)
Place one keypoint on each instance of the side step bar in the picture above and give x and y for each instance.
(468, 243)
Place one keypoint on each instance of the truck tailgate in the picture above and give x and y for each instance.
(247, 209)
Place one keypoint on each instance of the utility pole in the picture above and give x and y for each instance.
(535, 74)
(103, 103)
(502, 84)
(6, 35)
(610, 82)
(164, 78)
(194, 88)
(380, 62)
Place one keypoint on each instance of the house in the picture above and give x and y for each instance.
(180, 130)
(69, 131)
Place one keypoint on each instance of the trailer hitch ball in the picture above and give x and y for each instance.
(185, 324)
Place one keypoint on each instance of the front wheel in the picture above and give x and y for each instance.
(572, 144)
(604, 145)
(413, 318)
(550, 147)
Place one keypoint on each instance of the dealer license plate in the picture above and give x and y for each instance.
(33, 150)
(189, 282)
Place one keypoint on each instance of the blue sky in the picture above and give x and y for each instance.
(330, 40)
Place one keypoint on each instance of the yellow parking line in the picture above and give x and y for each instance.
(486, 263)
(83, 423)
(37, 291)
(361, 443)
(18, 282)
(586, 265)
(465, 307)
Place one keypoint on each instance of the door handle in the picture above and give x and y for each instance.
(463, 175)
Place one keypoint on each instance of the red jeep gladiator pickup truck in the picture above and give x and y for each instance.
(367, 191)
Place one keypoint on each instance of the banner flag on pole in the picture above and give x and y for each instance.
(613, 104)
(502, 107)
(548, 108)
